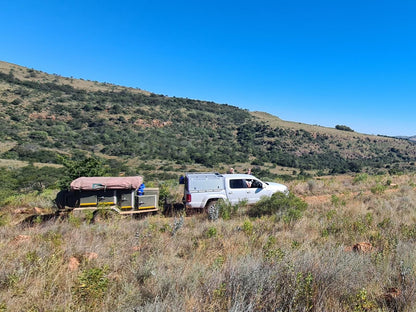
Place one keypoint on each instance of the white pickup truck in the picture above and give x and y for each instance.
(203, 190)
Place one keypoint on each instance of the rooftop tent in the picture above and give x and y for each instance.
(106, 183)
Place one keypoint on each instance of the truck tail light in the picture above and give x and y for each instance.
(188, 198)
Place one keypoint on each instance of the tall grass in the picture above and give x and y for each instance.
(239, 263)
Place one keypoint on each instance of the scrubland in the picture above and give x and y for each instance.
(352, 249)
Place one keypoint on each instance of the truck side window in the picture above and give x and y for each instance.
(256, 184)
(238, 183)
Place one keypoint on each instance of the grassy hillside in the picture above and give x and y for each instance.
(44, 115)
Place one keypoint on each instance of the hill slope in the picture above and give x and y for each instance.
(44, 115)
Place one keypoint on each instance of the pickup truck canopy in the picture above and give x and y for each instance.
(101, 183)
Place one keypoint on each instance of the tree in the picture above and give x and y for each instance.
(87, 167)
(343, 128)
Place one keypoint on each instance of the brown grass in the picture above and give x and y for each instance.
(242, 264)
(23, 73)
(275, 121)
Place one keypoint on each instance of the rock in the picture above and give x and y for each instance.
(363, 247)
(20, 239)
(348, 248)
(90, 255)
(73, 264)
(23, 211)
(38, 210)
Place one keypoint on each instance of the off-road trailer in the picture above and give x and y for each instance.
(125, 195)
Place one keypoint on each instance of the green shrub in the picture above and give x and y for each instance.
(343, 128)
(91, 286)
(362, 177)
(378, 189)
(227, 210)
(362, 302)
(86, 167)
(334, 200)
(248, 227)
(289, 207)
(211, 232)
(164, 193)
(271, 251)
(4, 220)
(223, 209)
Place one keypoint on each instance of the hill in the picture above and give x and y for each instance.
(46, 115)
(411, 138)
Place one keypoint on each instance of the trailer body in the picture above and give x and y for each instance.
(126, 195)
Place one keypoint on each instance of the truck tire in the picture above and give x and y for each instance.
(211, 204)
(212, 208)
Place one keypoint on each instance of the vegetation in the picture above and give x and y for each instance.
(343, 128)
(28, 180)
(289, 207)
(87, 167)
(48, 117)
(336, 243)
(349, 250)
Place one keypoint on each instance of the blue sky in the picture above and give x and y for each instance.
(318, 62)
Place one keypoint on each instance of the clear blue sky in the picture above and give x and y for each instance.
(321, 62)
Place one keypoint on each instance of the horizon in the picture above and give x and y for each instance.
(320, 63)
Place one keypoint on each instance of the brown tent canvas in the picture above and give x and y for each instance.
(109, 183)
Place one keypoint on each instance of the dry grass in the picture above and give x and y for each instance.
(275, 121)
(241, 264)
(23, 73)
(14, 164)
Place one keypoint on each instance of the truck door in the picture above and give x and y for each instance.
(257, 191)
(238, 190)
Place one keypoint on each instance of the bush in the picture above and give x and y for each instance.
(248, 227)
(227, 210)
(360, 178)
(91, 286)
(223, 209)
(378, 189)
(289, 207)
(343, 128)
(211, 232)
(86, 167)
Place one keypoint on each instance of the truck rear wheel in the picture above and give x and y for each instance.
(212, 204)
(213, 209)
